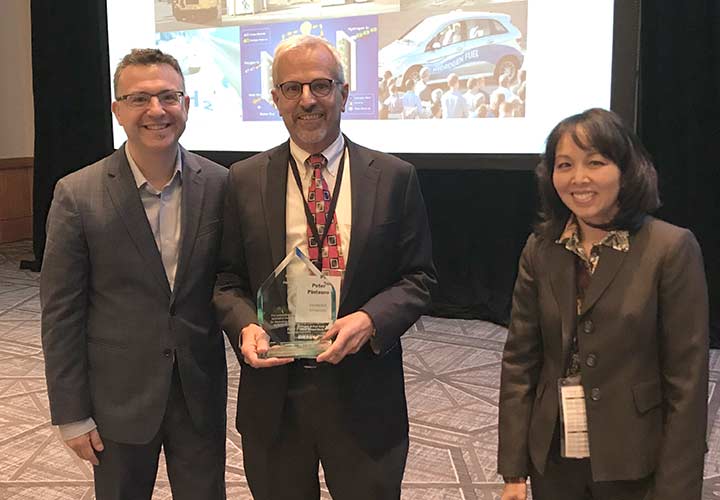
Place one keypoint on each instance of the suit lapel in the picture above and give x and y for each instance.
(273, 184)
(610, 262)
(364, 177)
(124, 195)
(561, 264)
(193, 184)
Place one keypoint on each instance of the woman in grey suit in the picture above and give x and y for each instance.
(605, 370)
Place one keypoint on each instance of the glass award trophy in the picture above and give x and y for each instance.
(295, 306)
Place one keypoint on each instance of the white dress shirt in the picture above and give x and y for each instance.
(295, 220)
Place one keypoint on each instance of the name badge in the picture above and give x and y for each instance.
(574, 441)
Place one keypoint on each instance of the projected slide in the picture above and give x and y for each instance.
(209, 60)
(458, 76)
(355, 37)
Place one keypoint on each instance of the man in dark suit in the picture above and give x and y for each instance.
(347, 408)
(134, 358)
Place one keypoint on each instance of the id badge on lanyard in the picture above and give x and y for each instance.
(574, 441)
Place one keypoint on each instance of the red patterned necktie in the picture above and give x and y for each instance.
(318, 199)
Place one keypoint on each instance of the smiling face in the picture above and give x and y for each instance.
(313, 122)
(153, 129)
(587, 182)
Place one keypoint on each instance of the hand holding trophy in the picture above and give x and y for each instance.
(296, 305)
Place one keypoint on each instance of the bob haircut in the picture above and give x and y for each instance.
(604, 132)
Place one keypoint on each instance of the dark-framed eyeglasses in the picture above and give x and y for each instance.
(166, 98)
(319, 87)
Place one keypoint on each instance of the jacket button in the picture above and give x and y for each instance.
(167, 353)
(588, 326)
(591, 360)
(595, 394)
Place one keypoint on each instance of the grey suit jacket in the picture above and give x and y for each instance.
(645, 323)
(389, 274)
(111, 327)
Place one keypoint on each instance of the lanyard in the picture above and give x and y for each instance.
(320, 238)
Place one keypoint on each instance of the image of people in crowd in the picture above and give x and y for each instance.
(474, 97)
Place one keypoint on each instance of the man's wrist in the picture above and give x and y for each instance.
(75, 429)
(514, 479)
(249, 325)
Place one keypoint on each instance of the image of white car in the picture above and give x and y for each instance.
(481, 44)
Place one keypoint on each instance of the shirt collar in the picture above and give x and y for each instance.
(617, 239)
(140, 179)
(333, 153)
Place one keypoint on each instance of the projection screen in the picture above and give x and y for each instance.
(522, 66)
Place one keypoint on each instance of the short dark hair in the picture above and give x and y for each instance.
(145, 57)
(602, 131)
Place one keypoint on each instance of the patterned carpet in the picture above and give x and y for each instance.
(452, 372)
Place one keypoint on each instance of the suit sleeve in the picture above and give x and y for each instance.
(521, 363)
(64, 296)
(233, 301)
(398, 306)
(684, 316)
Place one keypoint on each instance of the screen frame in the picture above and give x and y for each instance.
(623, 101)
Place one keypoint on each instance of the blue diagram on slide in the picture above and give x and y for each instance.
(356, 39)
(210, 62)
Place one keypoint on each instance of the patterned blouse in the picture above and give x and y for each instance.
(585, 266)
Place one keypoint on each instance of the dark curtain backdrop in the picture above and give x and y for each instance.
(679, 121)
(73, 125)
(479, 219)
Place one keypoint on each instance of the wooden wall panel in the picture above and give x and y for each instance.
(16, 187)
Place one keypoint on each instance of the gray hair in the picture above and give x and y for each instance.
(308, 41)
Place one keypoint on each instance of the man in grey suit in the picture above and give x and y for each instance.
(347, 408)
(134, 358)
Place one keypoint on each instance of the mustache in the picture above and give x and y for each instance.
(312, 111)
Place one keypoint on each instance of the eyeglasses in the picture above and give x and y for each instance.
(166, 98)
(319, 87)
